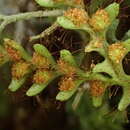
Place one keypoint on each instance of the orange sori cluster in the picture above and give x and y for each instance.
(42, 76)
(19, 69)
(13, 53)
(77, 16)
(66, 84)
(97, 88)
(117, 52)
(43, 73)
(99, 15)
(40, 61)
(66, 68)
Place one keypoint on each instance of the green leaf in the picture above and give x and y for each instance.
(65, 95)
(44, 52)
(104, 67)
(18, 47)
(16, 84)
(51, 3)
(37, 88)
(97, 101)
(111, 33)
(45, 3)
(66, 23)
(92, 47)
(68, 57)
(113, 11)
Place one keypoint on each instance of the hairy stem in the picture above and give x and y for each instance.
(46, 32)
(25, 16)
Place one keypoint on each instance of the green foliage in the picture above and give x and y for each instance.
(44, 69)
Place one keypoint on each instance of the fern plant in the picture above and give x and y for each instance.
(96, 26)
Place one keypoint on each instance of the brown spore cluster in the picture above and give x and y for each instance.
(13, 53)
(65, 68)
(40, 61)
(97, 88)
(20, 69)
(99, 20)
(66, 84)
(77, 16)
(116, 52)
(42, 76)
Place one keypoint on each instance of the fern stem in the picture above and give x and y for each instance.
(25, 16)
